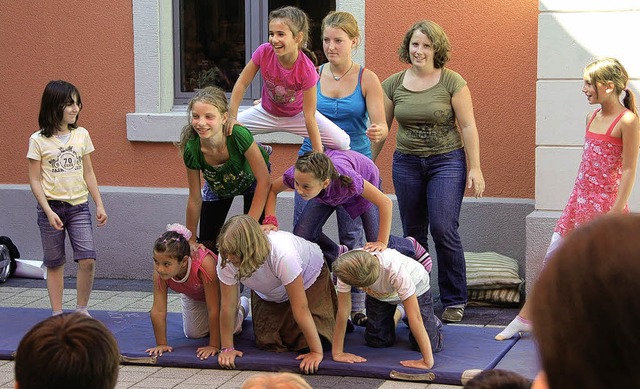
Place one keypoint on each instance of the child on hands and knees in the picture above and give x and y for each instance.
(608, 169)
(193, 275)
(391, 281)
(61, 178)
(293, 301)
(289, 76)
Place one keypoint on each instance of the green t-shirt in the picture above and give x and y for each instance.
(233, 177)
(426, 120)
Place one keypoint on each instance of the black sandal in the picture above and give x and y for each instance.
(360, 319)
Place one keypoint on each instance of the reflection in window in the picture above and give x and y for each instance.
(212, 41)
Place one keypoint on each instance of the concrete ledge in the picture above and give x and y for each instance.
(137, 216)
(540, 225)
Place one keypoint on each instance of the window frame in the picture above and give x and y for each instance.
(254, 16)
(157, 118)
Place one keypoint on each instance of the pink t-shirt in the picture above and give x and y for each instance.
(192, 286)
(282, 88)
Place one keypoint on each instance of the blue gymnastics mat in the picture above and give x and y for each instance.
(522, 358)
(465, 348)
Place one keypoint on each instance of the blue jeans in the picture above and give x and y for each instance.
(381, 328)
(76, 220)
(316, 214)
(430, 192)
(349, 230)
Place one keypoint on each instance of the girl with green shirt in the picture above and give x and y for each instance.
(231, 165)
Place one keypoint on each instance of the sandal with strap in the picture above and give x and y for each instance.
(360, 319)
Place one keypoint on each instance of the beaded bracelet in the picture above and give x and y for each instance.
(226, 349)
(270, 219)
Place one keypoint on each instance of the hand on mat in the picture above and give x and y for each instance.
(416, 364)
(310, 362)
(348, 358)
(205, 352)
(227, 358)
(374, 247)
(158, 350)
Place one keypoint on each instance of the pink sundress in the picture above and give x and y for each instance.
(596, 186)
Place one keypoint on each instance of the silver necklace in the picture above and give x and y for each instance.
(345, 73)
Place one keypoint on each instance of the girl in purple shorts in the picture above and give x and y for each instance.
(61, 178)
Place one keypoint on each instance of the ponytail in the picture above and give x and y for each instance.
(311, 55)
(629, 101)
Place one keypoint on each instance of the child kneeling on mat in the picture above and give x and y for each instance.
(293, 301)
(393, 283)
(194, 276)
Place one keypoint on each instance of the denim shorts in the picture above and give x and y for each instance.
(76, 220)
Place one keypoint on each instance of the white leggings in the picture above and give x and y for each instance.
(195, 318)
(259, 121)
(556, 240)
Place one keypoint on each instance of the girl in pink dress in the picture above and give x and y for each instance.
(608, 168)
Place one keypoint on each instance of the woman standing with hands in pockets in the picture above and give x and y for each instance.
(436, 131)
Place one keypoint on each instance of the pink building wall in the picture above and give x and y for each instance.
(91, 45)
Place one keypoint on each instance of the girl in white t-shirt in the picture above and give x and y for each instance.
(293, 301)
(394, 283)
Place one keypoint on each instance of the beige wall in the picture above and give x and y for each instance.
(91, 45)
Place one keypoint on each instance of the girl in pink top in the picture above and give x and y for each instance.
(194, 276)
(608, 168)
(288, 100)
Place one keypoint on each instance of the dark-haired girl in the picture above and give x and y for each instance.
(194, 276)
(347, 178)
(61, 178)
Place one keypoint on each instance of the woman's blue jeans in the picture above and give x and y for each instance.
(429, 192)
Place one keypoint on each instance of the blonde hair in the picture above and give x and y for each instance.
(344, 21)
(357, 268)
(242, 236)
(275, 381)
(605, 69)
(209, 95)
